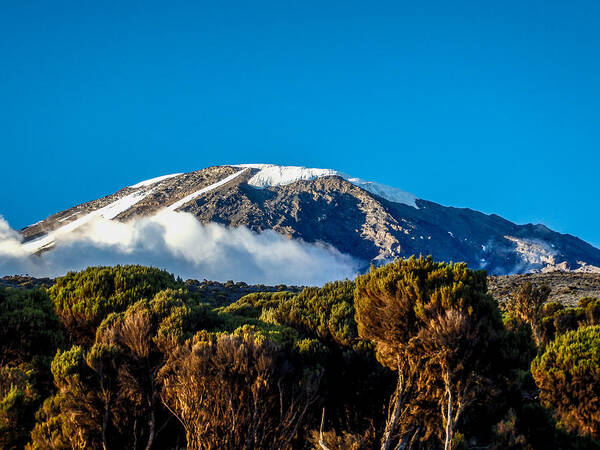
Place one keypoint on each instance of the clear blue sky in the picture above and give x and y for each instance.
(490, 105)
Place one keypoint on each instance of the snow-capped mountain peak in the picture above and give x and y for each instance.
(364, 219)
(270, 175)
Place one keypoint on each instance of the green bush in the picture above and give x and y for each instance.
(326, 312)
(83, 299)
(28, 325)
(568, 376)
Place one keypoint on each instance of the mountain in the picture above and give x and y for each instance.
(373, 223)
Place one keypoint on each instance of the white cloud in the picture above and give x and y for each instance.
(180, 244)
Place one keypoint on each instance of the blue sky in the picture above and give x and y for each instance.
(488, 105)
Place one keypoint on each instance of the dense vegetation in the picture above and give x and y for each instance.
(414, 354)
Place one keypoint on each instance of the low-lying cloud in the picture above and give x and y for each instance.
(180, 244)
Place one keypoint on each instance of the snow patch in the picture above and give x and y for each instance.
(586, 268)
(272, 175)
(153, 180)
(107, 212)
(115, 208)
(178, 204)
(253, 166)
(534, 252)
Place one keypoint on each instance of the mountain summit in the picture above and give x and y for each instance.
(372, 222)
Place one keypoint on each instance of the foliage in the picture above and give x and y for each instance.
(520, 349)
(113, 385)
(527, 304)
(343, 441)
(140, 361)
(83, 299)
(28, 325)
(558, 319)
(436, 326)
(234, 392)
(568, 376)
(29, 335)
(318, 325)
(508, 437)
(326, 312)
(252, 305)
(352, 375)
(72, 418)
(18, 400)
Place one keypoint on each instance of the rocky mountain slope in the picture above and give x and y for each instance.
(565, 287)
(371, 222)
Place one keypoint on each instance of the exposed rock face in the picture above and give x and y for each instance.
(326, 206)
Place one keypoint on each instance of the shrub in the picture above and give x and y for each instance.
(83, 299)
(568, 376)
